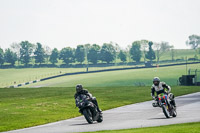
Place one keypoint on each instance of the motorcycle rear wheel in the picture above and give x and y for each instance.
(100, 119)
(174, 113)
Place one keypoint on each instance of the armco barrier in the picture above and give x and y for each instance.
(15, 86)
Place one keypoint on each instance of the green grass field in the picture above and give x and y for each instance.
(26, 107)
(176, 128)
(133, 77)
(180, 54)
(9, 76)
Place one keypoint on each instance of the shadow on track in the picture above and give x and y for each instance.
(81, 124)
(159, 118)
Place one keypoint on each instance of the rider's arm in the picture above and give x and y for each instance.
(167, 87)
(75, 95)
(90, 95)
(86, 92)
(152, 92)
(76, 101)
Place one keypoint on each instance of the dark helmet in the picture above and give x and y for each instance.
(79, 88)
(156, 81)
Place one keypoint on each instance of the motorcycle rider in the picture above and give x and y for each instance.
(159, 87)
(80, 90)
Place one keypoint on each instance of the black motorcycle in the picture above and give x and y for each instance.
(88, 109)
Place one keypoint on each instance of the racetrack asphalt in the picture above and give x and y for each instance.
(130, 116)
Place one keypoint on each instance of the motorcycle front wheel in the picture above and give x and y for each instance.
(165, 111)
(88, 115)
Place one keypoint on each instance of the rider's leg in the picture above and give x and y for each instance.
(94, 100)
(173, 102)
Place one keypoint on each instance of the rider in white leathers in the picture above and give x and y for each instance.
(159, 87)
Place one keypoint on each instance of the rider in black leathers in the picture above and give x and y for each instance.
(80, 90)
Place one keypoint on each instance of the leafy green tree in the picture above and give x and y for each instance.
(93, 53)
(26, 50)
(10, 57)
(135, 51)
(122, 55)
(67, 55)
(80, 53)
(54, 56)
(107, 53)
(150, 54)
(1, 56)
(39, 54)
(194, 41)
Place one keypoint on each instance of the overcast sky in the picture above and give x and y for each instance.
(62, 23)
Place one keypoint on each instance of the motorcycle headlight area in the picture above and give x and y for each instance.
(81, 104)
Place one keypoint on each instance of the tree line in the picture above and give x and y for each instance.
(24, 51)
